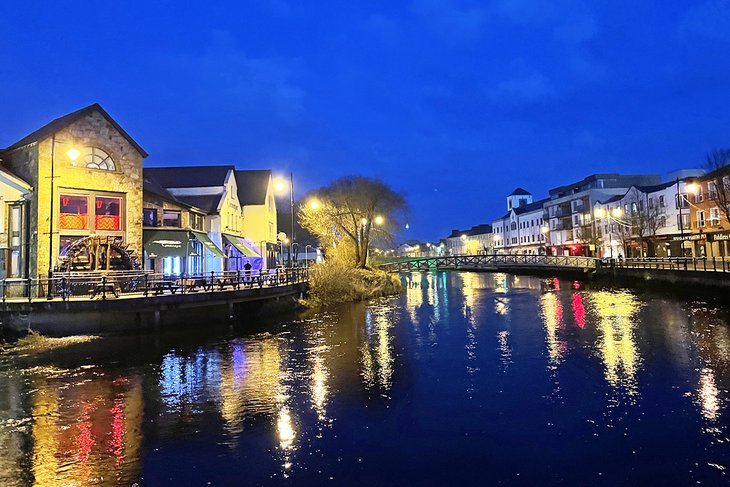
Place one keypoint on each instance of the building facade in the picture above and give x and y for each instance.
(86, 172)
(479, 239)
(520, 230)
(710, 213)
(569, 210)
(256, 195)
(14, 195)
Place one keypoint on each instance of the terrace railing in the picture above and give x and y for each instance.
(80, 286)
(701, 264)
(491, 261)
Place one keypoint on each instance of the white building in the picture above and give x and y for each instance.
(645, 221)
(520, 230)
(477, 240)
(569, 210)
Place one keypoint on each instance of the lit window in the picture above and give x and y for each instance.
(96, 158)
(171, 218)
(108, 213)
(74, 212)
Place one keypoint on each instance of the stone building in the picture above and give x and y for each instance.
(86, 172)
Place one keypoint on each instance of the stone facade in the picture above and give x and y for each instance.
(92, 129)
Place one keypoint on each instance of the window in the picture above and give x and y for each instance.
(96, 158)
(171, 218)
(715, 217)
(74, 212)
(711, 190)
(196, 221)
(699, 197)
(108, 213)
(662, 221)
(726, 182)
(513, 226)
(15, 241)
(683, 221)
(700, 218)
(149, 217)
(651, 202)
(683, 198)
(661, 201)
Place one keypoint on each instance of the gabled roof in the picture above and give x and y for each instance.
(189, 176)
(535, 205)
(252, 186)
(654, 188)
(207, 202)
(520, 192)
(153, 187)
(62, 122)
(612, 199)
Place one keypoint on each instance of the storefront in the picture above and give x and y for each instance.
(718, 244)
(687, 245)
(239, 251)
(176, 252)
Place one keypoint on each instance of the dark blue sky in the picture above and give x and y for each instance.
(452, 102)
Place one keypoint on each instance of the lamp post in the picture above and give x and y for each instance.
(72, 154)
(280, 185)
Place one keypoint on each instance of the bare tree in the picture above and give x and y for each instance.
(717, 164)
(642, 219)
(350, 213)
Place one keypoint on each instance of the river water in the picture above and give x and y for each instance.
(465, 378)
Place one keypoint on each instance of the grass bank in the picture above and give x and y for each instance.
(333, 282)
(35, 342)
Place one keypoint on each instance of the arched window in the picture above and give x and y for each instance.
(95, 158)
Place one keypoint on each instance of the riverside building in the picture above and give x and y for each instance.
(521, 229)
(86, 175)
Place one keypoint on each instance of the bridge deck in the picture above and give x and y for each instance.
(494, 262)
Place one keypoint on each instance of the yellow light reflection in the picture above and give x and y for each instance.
(616, 342)
(319, 389)
(708, 395)
(376, 351)
(552, 315)
(285, 429)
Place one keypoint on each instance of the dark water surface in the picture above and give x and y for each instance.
(463, 379)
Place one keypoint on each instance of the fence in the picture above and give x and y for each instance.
(76, 286)
(703, 264)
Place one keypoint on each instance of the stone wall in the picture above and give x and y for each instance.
(33, 164)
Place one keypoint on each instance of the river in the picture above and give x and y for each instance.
(465, 378)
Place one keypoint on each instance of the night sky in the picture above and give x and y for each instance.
(454, 103)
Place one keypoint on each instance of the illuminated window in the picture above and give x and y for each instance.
(96, 158)
(108, 213)
(171, 218)
(74, 212)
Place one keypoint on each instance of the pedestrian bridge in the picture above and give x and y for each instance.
(495, 262)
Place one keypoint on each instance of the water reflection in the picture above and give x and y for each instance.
(552, 315)
(377, 349)
(615, 313)
(87, 429)
(320, 397)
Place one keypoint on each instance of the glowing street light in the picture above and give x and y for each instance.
(600, 212)
(73, 154)
(364, 221)
(314, 204)
(693, 188)
(280, 186)
(617, 212)
(379, 220)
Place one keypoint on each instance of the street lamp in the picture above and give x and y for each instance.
(72, 154)
(379, 220)
(306, 255)
(314, 204)
(280, 186)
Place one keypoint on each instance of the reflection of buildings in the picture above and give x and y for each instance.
(85, 431)
(376, 350)
(13, 430)
(712, 337)
(552, 316)
(616, 312)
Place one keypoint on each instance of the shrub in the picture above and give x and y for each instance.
(333, 282)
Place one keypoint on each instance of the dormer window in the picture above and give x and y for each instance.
(95, 158)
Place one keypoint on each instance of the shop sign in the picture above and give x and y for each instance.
(693, 237)
(718, 237)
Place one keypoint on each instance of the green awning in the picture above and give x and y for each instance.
(208, 243)
(238, 243)
(165, 243)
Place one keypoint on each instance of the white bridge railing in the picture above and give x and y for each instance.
(493, 261)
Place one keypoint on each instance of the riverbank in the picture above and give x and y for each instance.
(333, 283)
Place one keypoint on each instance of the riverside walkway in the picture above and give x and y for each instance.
(119, 301)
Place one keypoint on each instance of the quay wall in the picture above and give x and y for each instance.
(74, 317)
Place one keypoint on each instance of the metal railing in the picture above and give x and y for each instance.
(80, 286)
(703, 264)
(493, 261)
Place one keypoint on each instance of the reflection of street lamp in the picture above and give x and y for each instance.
(280, 186)
(72, 154)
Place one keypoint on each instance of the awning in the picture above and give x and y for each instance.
(208, 243)
(240, 245)
(165, 243)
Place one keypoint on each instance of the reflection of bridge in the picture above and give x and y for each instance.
(495, 262)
